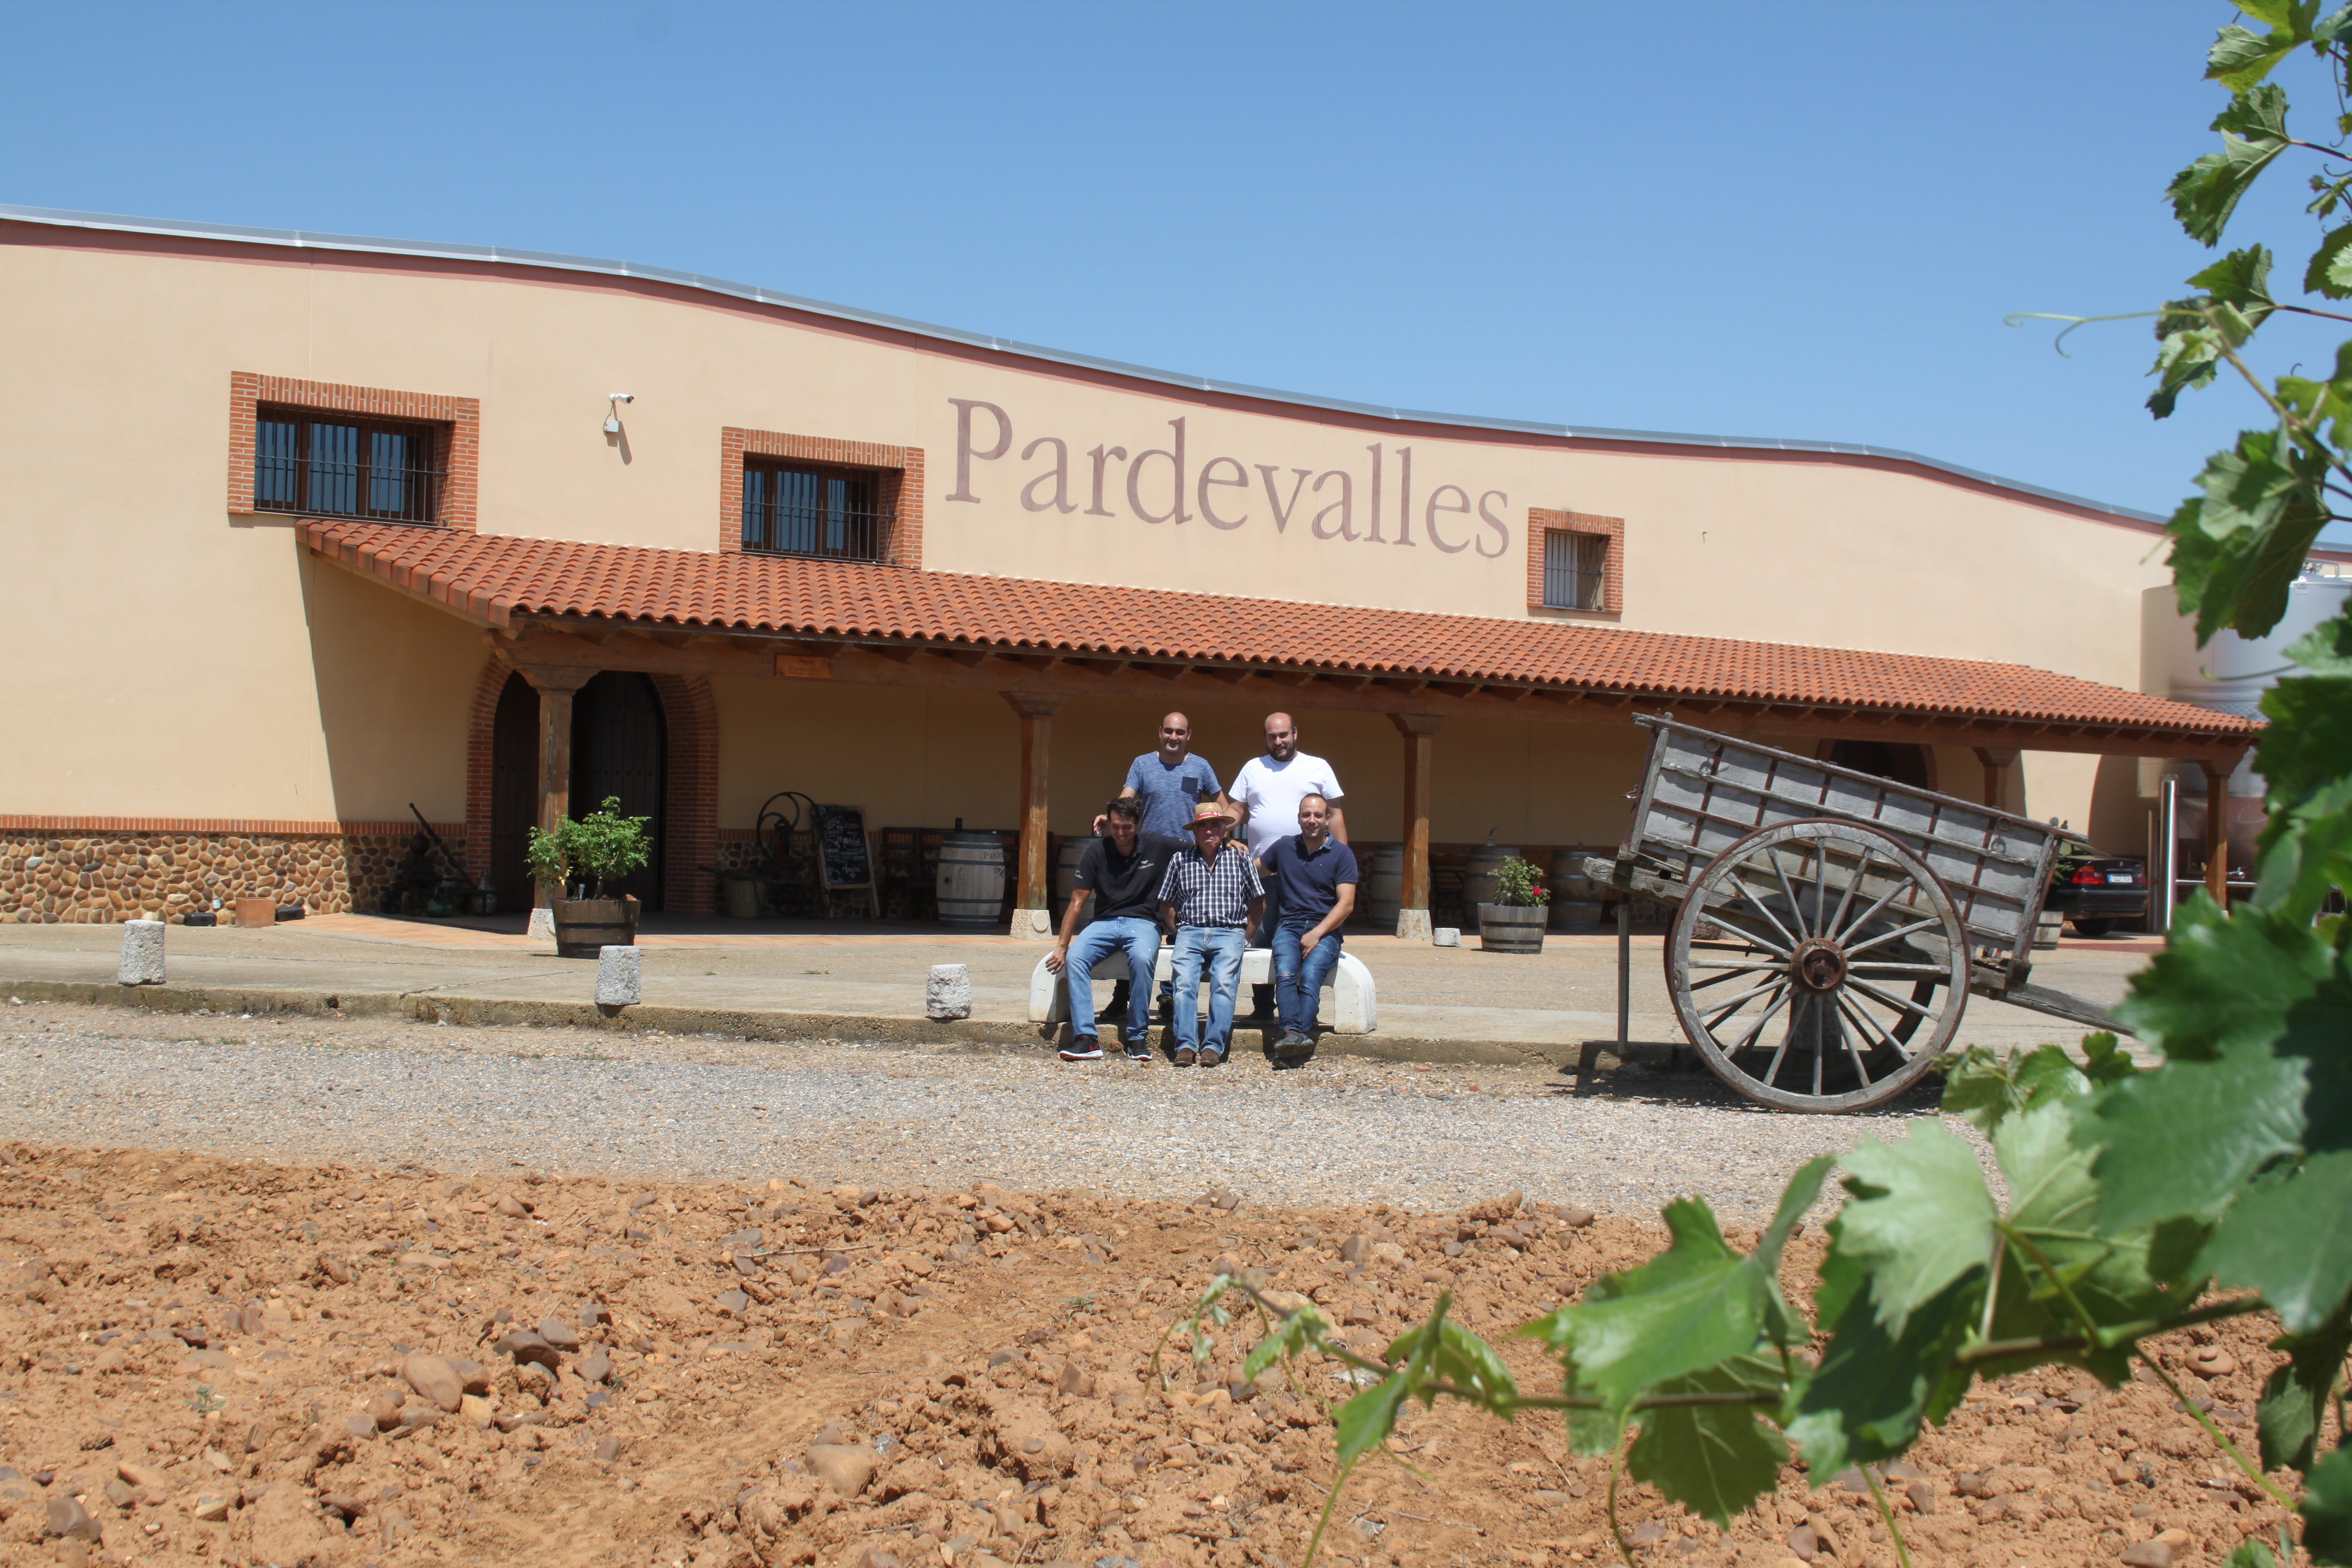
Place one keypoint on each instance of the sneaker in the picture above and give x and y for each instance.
(1085, 1048)
(1184, 1055)
(1138, 1050)
(1210, 1057)
(1294, 1042)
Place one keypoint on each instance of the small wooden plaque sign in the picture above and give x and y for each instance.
(804, 667)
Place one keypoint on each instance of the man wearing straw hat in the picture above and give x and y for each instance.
(1210, 895)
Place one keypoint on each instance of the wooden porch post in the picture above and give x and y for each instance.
(2217, 830)
(1033, 890)
(1420, 732)
(555, 687)
(1995, 762)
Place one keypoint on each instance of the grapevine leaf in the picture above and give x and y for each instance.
(2295, 1398)
(2221, 984)
(2241, 58)
(2306, 847)
(1874, 1390)
(2107, 1062)
(2238, 547)
(1365, 1422)
(1714, 1460)
(2290, 1240)
(1290, 1336)
(1687, 1309)
(2319, 1035)
(2308, 744)
(1918, 1218)
(2330, 272)
(2055, 1200)
(2182, 1139)
(2251, 1554)
(2327, 1508)
(1982, 1088)
(2254, 133)
(1459, 1357)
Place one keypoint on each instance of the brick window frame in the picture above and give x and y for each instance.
(462, 417)
(900, 468)
(1541, 522)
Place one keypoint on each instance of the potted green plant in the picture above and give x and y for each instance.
(575, 861)
(1515, 922)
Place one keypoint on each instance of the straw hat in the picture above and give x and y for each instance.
(1210, 811)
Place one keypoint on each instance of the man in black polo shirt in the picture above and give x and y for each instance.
(1122, 872)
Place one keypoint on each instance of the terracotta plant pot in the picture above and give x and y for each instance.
(583, 926)
(1510, 928)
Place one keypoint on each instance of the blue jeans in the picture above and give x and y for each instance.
(1221, 947)
(1139, 940)
(1298, 979)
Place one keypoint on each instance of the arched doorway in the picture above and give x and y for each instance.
(620, 746)
(1895, 760)
(514, 791)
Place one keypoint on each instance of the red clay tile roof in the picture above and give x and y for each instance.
(497, 578)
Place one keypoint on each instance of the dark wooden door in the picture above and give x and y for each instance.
(620, 746)
(1904, 763)
(514, 791)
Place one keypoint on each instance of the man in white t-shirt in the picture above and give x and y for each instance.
(1266, 792)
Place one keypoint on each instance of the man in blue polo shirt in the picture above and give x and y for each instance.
(1319, 893)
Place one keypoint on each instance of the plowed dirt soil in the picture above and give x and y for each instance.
(209, 1362)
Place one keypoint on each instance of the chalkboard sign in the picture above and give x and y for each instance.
(841, 847)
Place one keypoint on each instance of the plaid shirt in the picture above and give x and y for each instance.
(1211, 893)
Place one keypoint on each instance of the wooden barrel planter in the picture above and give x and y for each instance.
(971, 881)
(1383, 886)
(1478, 888)
(584, 925)
(1509, 927)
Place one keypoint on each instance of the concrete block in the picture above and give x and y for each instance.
(620, 976)
(1446, 936)
(143, 953)
(253, 912)
(1033, 925)
(543, 924)
(948, 993)
(1412, 925)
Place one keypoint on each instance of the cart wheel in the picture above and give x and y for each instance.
(1841, 974)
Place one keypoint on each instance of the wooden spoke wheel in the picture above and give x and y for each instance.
(1837, 973)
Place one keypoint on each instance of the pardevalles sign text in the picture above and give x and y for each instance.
(1163, 484)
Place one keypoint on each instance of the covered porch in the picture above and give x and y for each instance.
(1035, 694)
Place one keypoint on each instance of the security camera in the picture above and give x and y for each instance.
(624, 397)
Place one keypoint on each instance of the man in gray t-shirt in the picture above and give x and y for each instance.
(1171, 782)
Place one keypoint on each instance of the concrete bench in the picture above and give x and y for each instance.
(1355, 1008)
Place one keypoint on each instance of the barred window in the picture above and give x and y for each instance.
(799, 509)
(341, 465)
(1575, 570)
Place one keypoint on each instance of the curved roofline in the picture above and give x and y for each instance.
(304, 239)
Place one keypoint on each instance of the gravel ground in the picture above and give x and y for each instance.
(391, 1093)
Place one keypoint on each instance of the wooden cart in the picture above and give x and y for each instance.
(1830, 925)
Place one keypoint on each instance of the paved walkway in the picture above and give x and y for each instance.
(777, 980)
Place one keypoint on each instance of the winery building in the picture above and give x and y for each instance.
(309, 530)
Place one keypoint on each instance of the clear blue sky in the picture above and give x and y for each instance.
(1748, 219)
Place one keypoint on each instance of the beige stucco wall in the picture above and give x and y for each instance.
(185, 662)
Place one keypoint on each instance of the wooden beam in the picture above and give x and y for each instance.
(1787, 725)
(1420, 732)
(1224, 672)
(2217, 833)
(556, 689)
(1033, 891)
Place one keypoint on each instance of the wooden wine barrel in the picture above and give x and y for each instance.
(1065, 873)
(1478, 881)
(1504, 928)
(1383, 889)
(971, 881)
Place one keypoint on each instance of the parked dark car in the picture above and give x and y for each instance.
(2100, 893)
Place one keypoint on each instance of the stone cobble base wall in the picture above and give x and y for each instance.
(52, 877)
